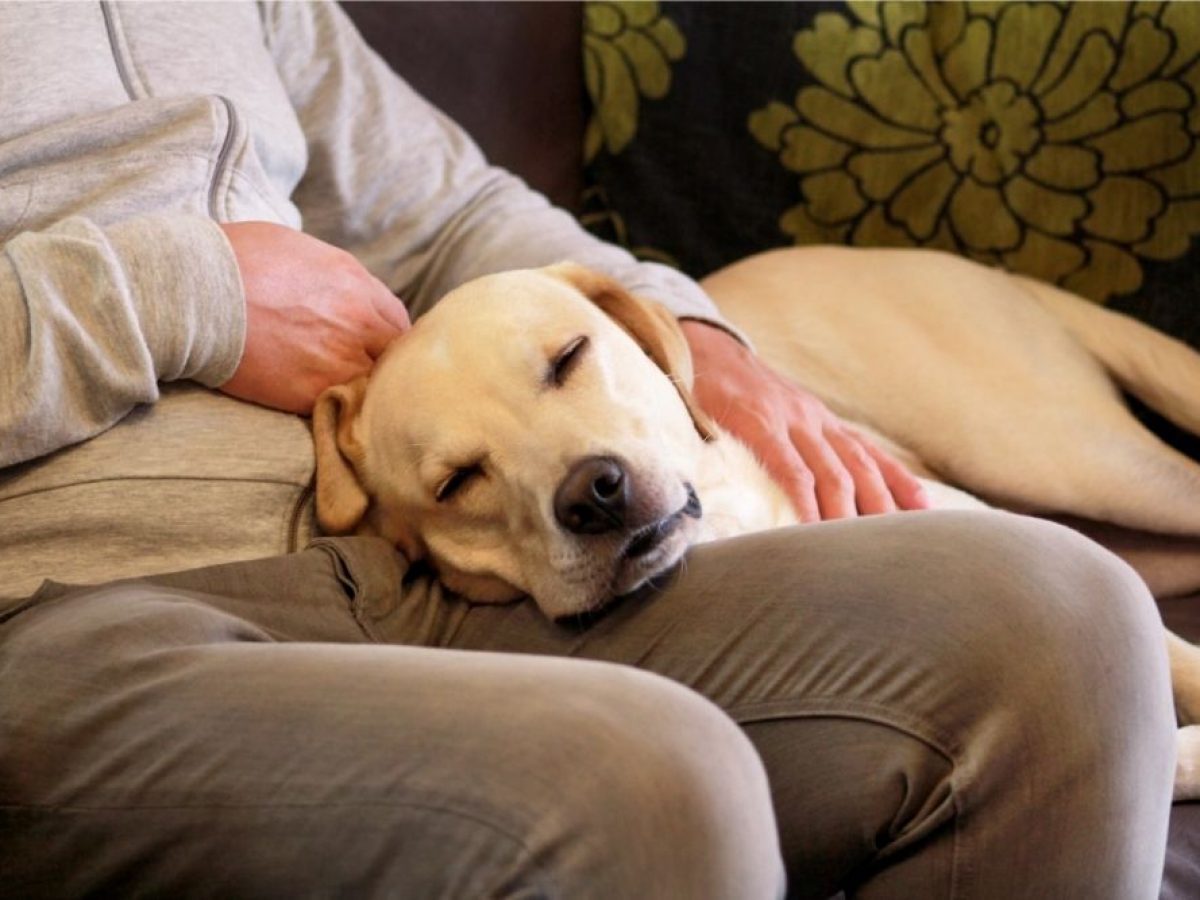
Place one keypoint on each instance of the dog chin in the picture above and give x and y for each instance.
(635, 573)
(634, 569)
(628, 575)
(648, 553)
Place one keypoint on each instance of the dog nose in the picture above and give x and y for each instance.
(593, 496)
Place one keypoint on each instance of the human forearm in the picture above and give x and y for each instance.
(405, 189)
(95, 318)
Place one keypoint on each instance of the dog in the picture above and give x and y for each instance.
(1001, 385)
(535, 433)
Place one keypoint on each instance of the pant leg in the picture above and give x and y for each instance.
(232, 732)
(947, 704)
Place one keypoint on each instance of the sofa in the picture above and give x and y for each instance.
(696, 133)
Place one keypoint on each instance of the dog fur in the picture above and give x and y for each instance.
(460, 445)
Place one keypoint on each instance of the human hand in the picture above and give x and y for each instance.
(827, 469)
(314, 316)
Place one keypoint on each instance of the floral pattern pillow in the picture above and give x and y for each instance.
(1055, 139)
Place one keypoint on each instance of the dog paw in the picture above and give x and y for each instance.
(1187, 764)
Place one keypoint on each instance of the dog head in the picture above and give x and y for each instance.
(534, 435)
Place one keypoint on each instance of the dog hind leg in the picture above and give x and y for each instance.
(1185, 680)
(1187, 764)
(1154, 367)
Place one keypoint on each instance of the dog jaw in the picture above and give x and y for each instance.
(582, 573)
(735, 495)
(477, 587)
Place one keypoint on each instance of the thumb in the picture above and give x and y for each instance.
(390, 308)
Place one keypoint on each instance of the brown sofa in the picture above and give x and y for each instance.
(511, 73)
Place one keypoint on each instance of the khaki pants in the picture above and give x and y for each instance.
(926, 705)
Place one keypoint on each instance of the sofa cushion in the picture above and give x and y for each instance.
(1057, 140)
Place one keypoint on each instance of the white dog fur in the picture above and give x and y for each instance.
(466, 444)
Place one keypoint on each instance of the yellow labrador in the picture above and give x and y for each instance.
(534, 434)
(1003, 386)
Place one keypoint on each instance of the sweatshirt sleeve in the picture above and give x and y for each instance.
(399, 185)
(94, 318)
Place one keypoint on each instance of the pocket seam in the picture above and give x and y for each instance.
(351, 583)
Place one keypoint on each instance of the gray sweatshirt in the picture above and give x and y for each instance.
(126, 133)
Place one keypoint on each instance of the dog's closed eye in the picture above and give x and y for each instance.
(565, 362)
(457, 480)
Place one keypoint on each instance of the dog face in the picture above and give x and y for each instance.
(533, 434)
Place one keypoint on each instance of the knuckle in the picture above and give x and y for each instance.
(838, 484)
(841, 490)
(857, 454)
(804, 480)
(808, 406)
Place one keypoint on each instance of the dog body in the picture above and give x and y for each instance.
(1003, 386)
(534, 434)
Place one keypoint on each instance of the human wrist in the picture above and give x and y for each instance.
(185, 283)
(707, 338)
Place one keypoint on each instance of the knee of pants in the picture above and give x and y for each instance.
(927, 606)
(615, 784)
(651, 791)
(595, 781)
(1051, 609)
(944, 621)
(1050, 641)
(1030, 659)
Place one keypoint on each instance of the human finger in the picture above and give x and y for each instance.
(833, 483)
(390, 308)
(904, 487)
(382, 320)
(871, 492)
(376, 337)
(785, 466)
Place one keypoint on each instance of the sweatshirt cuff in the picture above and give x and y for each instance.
(683, 297)
(185, 284)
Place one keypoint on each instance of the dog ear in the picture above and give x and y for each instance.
(651, 325)
(341, 500)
